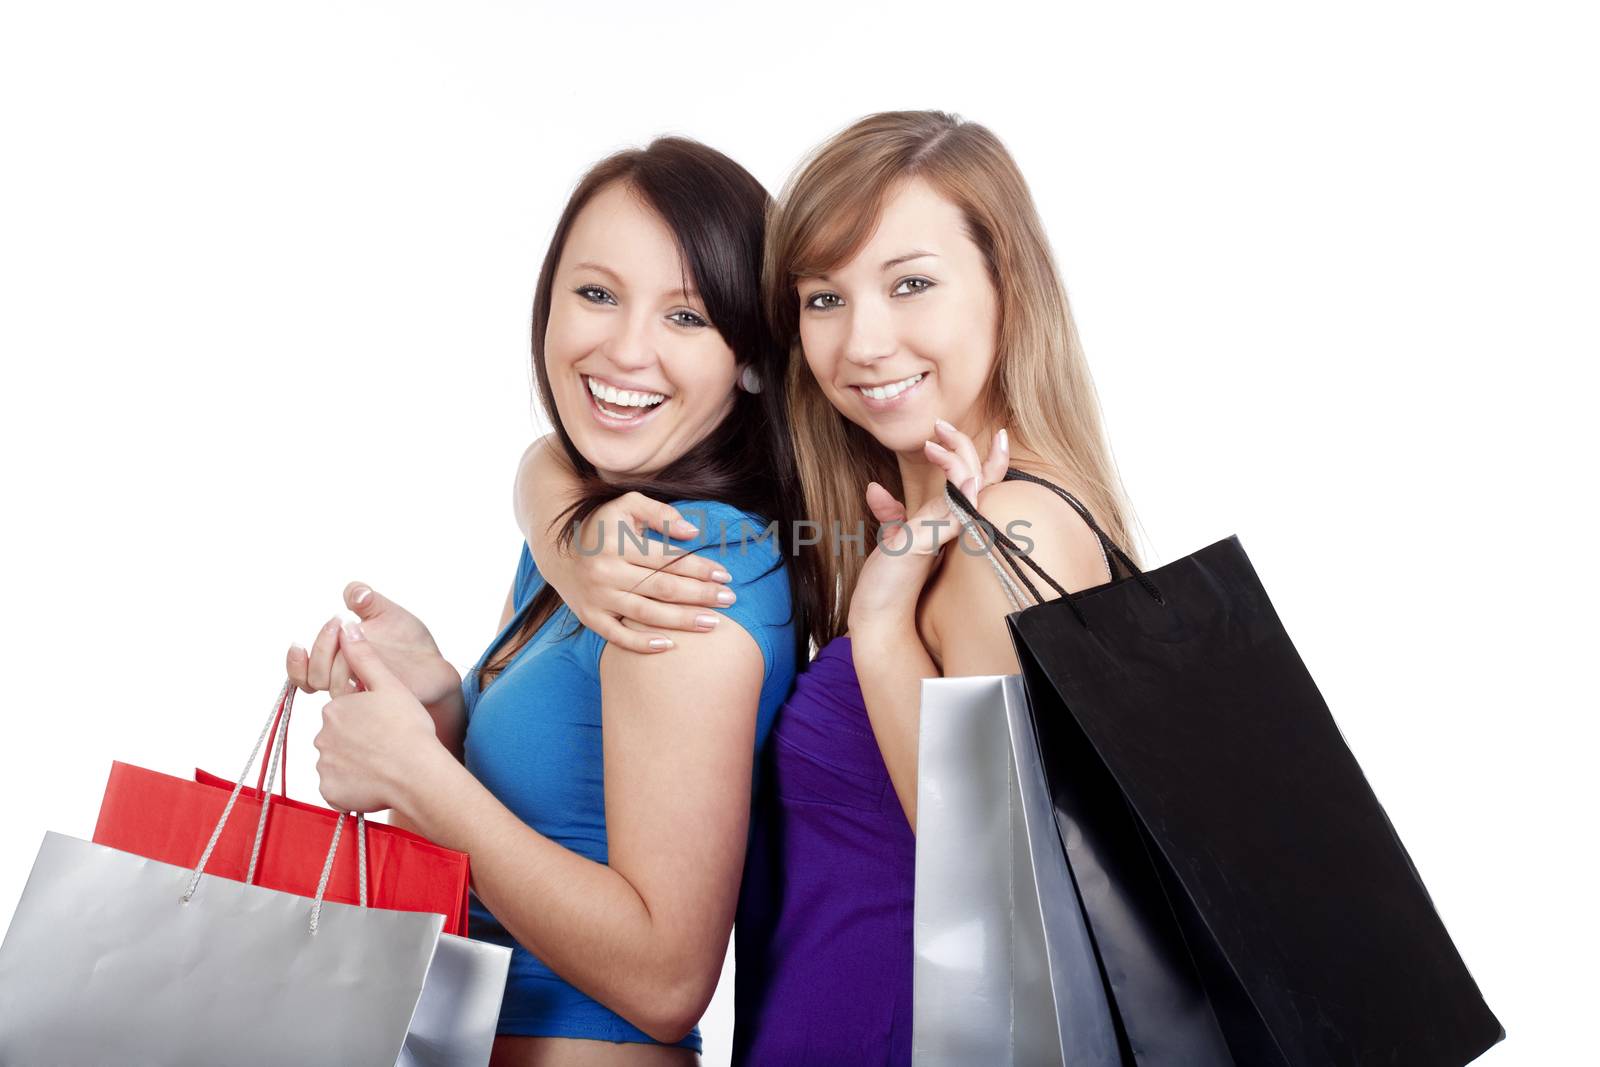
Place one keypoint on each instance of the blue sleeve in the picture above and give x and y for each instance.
(745, 545)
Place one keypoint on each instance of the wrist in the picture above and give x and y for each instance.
(425, 779)
(449, 715)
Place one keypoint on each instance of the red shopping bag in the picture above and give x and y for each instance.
(166, 818)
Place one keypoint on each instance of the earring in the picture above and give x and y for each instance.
(749, 380)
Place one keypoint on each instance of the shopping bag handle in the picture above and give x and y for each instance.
(284, 704)
(279, 742)
(992, 539)
(278, 724)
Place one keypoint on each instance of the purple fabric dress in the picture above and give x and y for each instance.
(823, 942)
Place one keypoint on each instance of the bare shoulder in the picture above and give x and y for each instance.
(967, 599)
(709, 681)
(1047, 529)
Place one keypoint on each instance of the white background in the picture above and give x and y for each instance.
(266, 282)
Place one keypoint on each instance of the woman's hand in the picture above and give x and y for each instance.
(893, 576)
(395, 635)
(373, 740)
(611, 572)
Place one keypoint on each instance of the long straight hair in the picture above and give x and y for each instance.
(717, 211)
(1039, 387)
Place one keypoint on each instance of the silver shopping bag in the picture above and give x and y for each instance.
(116, 958)
(1004, 971)
(455, 1021)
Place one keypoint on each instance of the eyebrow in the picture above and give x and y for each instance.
(897, 260)
(888, 264)
(687, 294)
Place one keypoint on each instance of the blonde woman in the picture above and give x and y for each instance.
(907, 271)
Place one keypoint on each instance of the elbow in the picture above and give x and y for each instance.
(672, 1008)
(669, 1031)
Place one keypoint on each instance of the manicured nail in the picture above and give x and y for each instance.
(720, 575)
(352, 630)
(935, 445)
(297, 647)
(660, 644)
(943, 425)
(726, 597)
(1005, 443)
(706, 622)
(685, 528)
(361, 595)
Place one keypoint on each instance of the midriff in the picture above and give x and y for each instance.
(513, 1051)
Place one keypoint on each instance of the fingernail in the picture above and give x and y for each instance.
(352, 684)
(1005, 443)
(943, 425)
(352, 630)
(295, 646)
(934, 445)
(362, 594)
(660, 644)
(720, 575)
(726, 597)
(685, 528)
(706, 622)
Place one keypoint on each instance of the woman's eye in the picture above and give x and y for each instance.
(595, 295)
(688, 318)
(823, 301)
(912, 286)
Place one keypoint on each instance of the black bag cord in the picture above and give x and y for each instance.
(1013, 553)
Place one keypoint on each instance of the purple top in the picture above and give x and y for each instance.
(823, 942)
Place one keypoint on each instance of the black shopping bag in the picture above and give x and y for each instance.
(1249, 900)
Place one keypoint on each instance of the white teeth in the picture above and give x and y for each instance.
(884, 392)
(626, 398)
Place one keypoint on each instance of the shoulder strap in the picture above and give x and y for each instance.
(994, 541)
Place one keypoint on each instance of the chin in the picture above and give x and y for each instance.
(903, 431)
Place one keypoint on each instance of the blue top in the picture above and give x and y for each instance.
(534, 741)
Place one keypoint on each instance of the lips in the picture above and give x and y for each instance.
(899, 399)
(619, 417)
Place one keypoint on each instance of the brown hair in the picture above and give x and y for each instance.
(1039, 389)
(717, 211)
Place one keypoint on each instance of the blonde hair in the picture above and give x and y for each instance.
(1039, 388)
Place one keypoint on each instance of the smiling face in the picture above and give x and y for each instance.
(904, 333)
(638, 372)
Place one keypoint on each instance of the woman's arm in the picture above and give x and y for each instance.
(891, 663)
(607, 576)
(965, 623)
(647, 933)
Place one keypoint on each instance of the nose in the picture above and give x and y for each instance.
(632, 346)
(871, 335)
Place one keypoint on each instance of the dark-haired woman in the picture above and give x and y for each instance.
(604, 793)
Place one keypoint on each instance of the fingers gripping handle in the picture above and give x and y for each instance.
(284, 703)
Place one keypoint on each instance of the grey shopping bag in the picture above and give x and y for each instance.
(1004, 970)
(116, 958)
(455, 1021)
